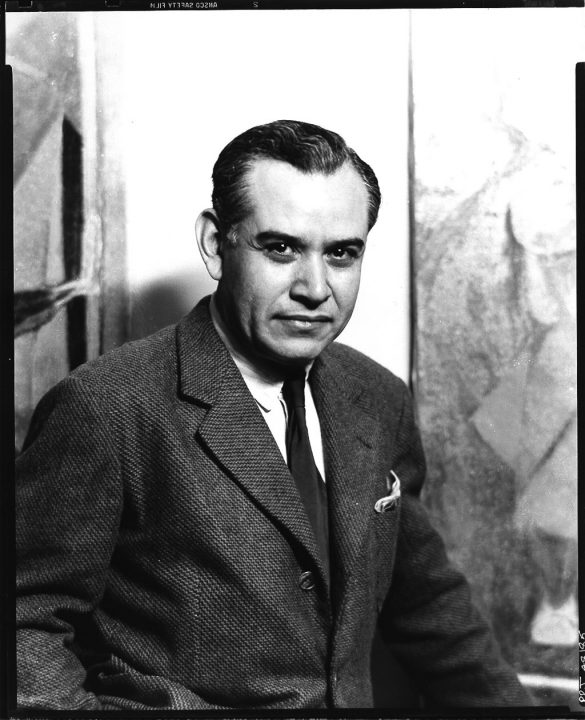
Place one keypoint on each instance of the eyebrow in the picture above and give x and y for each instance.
(267, 235)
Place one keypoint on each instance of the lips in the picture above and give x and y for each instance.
(306, 318)
(304, 324)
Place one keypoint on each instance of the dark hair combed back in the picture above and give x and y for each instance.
(307, 147)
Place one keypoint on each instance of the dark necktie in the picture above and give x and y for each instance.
(301, 462)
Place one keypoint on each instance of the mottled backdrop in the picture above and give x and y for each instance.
(495, 345)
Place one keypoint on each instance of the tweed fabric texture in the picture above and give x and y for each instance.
(161, 541)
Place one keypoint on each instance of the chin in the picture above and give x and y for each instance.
(298, 355)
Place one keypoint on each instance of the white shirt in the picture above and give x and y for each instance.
(268, 395)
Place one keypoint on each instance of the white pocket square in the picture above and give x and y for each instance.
(389, 502)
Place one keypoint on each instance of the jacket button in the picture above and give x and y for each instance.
(306, 581)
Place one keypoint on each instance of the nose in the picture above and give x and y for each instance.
(310, 285)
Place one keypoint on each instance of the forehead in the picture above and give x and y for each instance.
(289, 200)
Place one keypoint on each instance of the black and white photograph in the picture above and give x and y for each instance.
(295, 360)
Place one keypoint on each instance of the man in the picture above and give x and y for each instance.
(200, 527)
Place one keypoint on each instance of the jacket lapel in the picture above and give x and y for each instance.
(348, 431)
(234, 431)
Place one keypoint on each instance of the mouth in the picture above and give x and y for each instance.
(305, 318)
(304, 321)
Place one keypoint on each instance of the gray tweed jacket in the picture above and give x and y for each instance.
(161, 542)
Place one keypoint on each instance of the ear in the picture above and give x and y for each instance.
(209, 242)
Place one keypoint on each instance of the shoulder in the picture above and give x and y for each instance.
(359, 368)
(364, 382)
(113, 390)
(121, 381)
(134, 364)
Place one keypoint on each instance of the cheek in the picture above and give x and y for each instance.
(244, 287)
(265, 287)
(256, 301)
(346, 289)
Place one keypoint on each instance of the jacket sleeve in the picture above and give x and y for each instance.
(68, 504)
(429, 619)
(69, 498)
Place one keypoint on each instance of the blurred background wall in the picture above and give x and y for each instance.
(70, 267)
(495, 336)
(118, 120)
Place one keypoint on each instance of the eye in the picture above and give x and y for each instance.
(280, 250)
(343, 254)
(280, 247)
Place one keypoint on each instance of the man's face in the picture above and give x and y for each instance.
(290, 282)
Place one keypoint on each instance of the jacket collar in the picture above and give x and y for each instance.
(204, 364)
